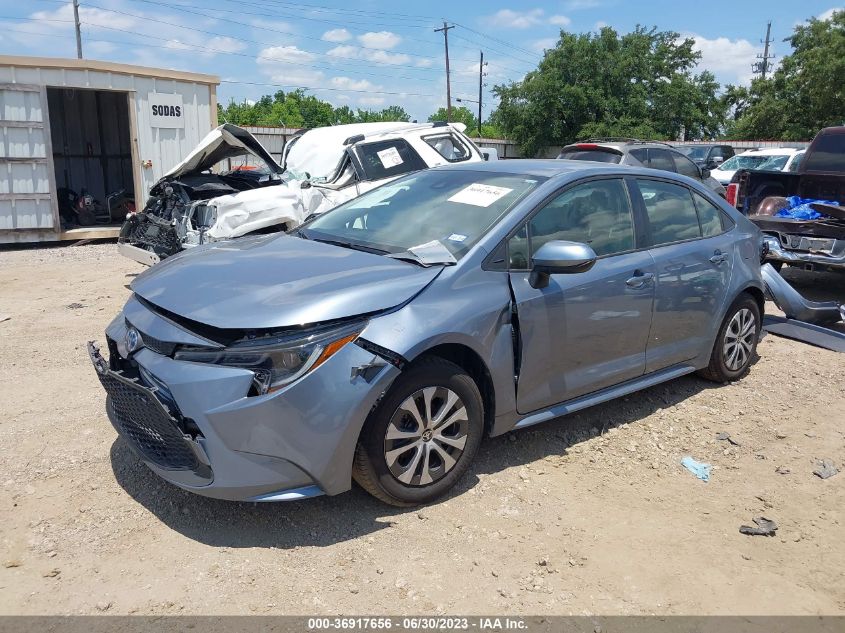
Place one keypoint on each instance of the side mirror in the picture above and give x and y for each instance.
(705, 173)
(559, 257)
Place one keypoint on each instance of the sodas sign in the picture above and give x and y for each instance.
(166, 110)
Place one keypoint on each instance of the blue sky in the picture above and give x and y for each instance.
(373, 53)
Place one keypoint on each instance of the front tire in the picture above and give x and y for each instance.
(736, 343)
(423, 435)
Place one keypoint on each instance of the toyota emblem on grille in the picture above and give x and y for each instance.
(132, 340)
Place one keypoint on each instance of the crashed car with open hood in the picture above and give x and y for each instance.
(197, 202)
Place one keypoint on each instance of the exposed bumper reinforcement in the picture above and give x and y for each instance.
(139, 255)
(801, 258)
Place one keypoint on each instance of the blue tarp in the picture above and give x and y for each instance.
(800, 209)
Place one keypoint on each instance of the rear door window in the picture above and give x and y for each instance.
(660, 159)
(685, 166)
(671, 212)
(385, 159)
(709, 216)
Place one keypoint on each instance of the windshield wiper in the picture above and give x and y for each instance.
(351, 245)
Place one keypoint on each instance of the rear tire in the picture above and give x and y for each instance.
(423, 435)
(736, 343)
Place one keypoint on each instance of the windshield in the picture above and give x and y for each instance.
(694, 152)
(744, 161)
(425, 213)
(774, 162)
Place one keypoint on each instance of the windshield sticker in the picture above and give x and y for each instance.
(456, 237)
(479, 195)
(389, 157)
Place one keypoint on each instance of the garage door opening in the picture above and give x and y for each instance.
(92, 156)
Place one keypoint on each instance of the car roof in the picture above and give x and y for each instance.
(546, 167)
(619, 145)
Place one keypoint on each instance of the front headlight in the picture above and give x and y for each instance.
(278, 362)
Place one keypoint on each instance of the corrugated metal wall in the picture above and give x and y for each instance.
(162, 147)
(25, 198)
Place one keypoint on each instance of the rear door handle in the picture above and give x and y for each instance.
(639, 279)
(718, 258)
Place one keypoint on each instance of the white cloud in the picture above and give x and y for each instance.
(273, 55)
(424, 63)
(510, 19)
(371, 101)
(560, 20)
(298, 78)
(829, 13)
(225, 44)
(600, 25)
(337, 35)
(382, 39)
(729, 60)
(345, 51)
(347, 83)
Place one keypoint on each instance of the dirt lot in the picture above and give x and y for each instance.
(562, 519)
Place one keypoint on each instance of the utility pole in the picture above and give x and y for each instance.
(762, 67)
(480, 85)
(78, 30)
(445, 30)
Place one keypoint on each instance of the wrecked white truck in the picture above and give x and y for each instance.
(198, 202)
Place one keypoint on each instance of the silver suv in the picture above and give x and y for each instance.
(651, 154)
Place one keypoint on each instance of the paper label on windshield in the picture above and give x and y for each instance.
(480, 195)
(389, 157)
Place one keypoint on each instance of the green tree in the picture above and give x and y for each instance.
(297, 110)
(805, 94)
(460, 114)
(605, 84)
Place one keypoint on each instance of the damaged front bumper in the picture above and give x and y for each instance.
(196, 426)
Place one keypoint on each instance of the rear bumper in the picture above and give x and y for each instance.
(295, 443)
(806, 259)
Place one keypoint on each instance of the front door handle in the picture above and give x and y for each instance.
(639, 279)
(718, 257)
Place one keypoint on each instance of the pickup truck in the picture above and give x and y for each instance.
(817, 244)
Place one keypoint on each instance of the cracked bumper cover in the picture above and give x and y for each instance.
(297, 442)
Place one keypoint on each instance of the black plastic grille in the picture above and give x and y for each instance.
(143, 421)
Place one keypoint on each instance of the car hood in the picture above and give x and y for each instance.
(723, 175)
(278, 281)
(225, 141)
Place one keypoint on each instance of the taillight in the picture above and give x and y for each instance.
(730, 194)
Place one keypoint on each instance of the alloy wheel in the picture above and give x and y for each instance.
(426, 436)
(739, 339)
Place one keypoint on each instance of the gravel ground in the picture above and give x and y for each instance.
(588, 514)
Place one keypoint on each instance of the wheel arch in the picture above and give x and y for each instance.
(471, 362)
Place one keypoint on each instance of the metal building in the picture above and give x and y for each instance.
(71, 126)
